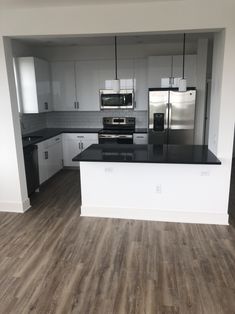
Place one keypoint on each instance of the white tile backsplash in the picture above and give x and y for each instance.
(92, 119)
(86, 119)
(33, 122)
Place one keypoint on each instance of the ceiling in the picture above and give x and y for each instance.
(56, 3)
(109, 40)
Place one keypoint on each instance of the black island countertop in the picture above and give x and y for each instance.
(170, 154)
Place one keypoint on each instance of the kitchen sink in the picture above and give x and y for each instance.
(31, 138)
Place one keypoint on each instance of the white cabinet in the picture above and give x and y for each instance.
(171, 66)
(87, 85)
(63, 86)
(106, 73)
(75, 85)
(190, 68)
(125, 73)
(158, 68)
(49, 157)
(34, 85)
(75, 143)
(140, 138)
(43, 161)
(141, 86)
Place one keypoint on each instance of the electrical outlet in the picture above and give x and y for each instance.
(158, 189)
(108, 170)
(205, 173)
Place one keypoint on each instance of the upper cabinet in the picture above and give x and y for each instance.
(171, 66)
(141, 86)
(75, 86)
(190, 68)
(87, 85)
(33, 82)
(63, 86)
(158, 68)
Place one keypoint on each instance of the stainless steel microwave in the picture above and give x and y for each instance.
(112, 100)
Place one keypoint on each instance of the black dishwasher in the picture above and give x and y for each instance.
(31, 168)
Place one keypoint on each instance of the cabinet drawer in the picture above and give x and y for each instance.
(54, 140)
(81, 136)
(44, 145)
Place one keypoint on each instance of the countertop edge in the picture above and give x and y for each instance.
(171, 154)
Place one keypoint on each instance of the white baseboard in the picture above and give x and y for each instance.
(15, 207)
(156, 215)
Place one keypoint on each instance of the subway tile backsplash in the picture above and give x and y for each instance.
(92, 119)
(86, 119)
(33, 122)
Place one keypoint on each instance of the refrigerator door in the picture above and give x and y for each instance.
(158, 116)
(181, 117)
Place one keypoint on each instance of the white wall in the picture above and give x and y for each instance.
(13, 191)
(145, 17)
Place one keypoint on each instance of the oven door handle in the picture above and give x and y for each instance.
(115, 136)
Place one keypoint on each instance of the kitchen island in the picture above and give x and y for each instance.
(152, 182)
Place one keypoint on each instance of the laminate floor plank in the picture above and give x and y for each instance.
(52, 261)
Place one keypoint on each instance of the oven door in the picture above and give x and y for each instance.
(115, 139)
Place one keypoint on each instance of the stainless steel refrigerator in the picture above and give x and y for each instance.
(171, 116)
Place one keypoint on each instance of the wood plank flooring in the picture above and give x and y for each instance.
(54, 261)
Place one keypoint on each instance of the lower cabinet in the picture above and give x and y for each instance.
(49, 157)
(75, 143)
(140, 138)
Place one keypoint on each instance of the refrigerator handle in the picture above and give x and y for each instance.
(169, 105)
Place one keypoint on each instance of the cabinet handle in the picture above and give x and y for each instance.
(75, 105)
(46, 105)
(57, 139)
(46, 155)
(79, 145)
(82, 144)
(80, 136)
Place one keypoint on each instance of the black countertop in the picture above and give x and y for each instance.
(171, 154)
(45, 134)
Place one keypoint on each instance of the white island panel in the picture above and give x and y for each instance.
(162, 192)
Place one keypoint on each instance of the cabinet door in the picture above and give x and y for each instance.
(126, 73)
(158, 67)
(71, 148)
(141, 86)
(87, 85)
(43, 84)
(55, 155)
(190, 68)
(26, 85)
(86, 143)
(106, 74)
(43, 162)
(63, 86)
